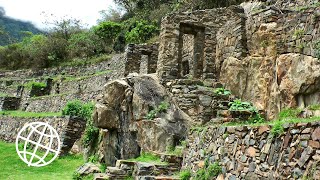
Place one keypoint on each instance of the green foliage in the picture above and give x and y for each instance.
(93, 159)
(185, 174)
(141, 31)
(37, 85)
(163, 107)
(76, 176)
(108, 30)
(314, 107)
(298, 33)
(210, 171)
(147, 157)
(84, 45)
(103, 168)
(277, 129)
(289, 113)
(238, 105)
(83, 110)
(222, 91)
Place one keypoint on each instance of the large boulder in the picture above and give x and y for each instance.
(273, 83)
(121, 112)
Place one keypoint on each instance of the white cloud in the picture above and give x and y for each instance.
(32, 10)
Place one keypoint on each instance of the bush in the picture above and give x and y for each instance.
(163, 107)
(222, 91)
(84, 45)
(277, 129)
(185, 174)
(84, 110)
(238, 105)
(141, 31)
(210, 171)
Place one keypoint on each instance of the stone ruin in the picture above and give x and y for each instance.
(141, 58)
(189, 42)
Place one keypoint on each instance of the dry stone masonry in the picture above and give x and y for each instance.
(255, 153)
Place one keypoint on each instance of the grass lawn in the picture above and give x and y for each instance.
(29, 114)
(12, 167)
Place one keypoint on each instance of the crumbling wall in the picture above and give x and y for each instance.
(137, 55)
(203, 25)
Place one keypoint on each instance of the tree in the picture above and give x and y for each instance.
(63, 27)
(112, 14)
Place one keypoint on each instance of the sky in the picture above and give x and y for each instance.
(37, 11)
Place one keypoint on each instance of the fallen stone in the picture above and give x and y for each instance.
(251, 151)
(316, 134)
(88, 168)
(100, 176)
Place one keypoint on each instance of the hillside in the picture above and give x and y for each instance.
(12, 29)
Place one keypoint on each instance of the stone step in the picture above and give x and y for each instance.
(100, 176)
(157, 178)
(114, 171)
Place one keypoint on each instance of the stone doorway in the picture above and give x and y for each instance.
(191, 51)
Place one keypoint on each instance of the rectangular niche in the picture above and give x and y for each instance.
(144, 63)
(191, 51)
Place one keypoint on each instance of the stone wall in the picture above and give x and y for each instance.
(55, 103)
(141, 58)
(29, 73)
(69, 129)
(281, 67)
(203, 25)
(9, 103)
(253, 153)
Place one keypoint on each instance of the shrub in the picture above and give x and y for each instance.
(238, 105)
(289, 113)
(83, 110)
(37, 85)
(108, 30)
(84, 45)
(141, 32)
(163, 106)
(185, 174)
(213, 170)
(277, 129)
(222, 91)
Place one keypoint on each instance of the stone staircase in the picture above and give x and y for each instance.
(167, 169)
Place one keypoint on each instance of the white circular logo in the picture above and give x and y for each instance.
(38, 144)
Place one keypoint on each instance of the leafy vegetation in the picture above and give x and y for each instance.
(314, 107)
(37, 85)
(12, 167)
(185, 174)
(29, 114)
(277, 129)
(222, 91)
(84, 110)
(210, 171)
(238, 105)
(163, 106)
(289, 113)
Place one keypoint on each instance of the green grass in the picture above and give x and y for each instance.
(314, 107)
(29, 114)
(148, 158)
(3, 94)
(86, 61)
(15, 169)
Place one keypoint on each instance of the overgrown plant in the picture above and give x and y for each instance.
(289, 113)
(210, 171)
(222, 91)
(83, 110)
(238, 105)
(317, 49)
(185, 174)
(163, 107)
(277, 129)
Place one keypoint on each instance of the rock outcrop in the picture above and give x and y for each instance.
(122, 110)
